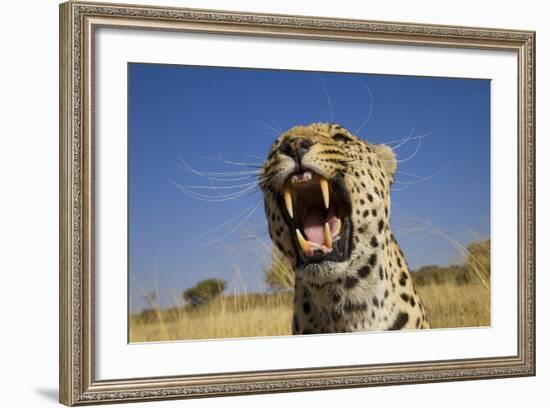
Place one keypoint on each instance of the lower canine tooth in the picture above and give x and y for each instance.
(328, 236)
(338, 226)
(288, 202)
(304, 244)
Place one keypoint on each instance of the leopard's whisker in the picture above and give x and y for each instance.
(217, 198)
(275, 123)
(404, 140)
(273, 130)
(228, 222)
(228, 179)
(409, 174)
(413, 154)
(233, 179)
(223, 187)
(253, 156)
(201, 187)
(238, 226)
(206, 174)
(408, 139)
(371, 106)
(324, 88)
(420, 179)
(232, 162)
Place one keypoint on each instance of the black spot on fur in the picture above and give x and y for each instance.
(399, 262)
(296, 325)
(360, 230)
(403, 279)
(336, 297)
(306, 307)
(373, 241)
(380, 273)
(386, 293)
(349, 306)
(413, 302)
(351, 282)
(372, 260)
(400, 321)
(362, 202)
(417, 322)
(405, 297)
(364, 271)
(375, 301)
(374, 213)
(380, 226)
(369, 197)
(366, 213)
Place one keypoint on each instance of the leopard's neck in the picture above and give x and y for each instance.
(374, 292)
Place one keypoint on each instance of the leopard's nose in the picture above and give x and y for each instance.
(296, 147)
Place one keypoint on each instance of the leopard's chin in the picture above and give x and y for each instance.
(317, 212)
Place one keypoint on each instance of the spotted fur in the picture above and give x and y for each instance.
(371, 290)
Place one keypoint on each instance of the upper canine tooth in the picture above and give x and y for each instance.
(328, 236)
(288, 202)
(324, 189)
(304, 244)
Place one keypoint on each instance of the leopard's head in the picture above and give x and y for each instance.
(327, 197)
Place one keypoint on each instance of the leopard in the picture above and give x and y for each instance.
(326, 194)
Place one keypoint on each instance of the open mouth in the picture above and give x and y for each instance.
(317, 212)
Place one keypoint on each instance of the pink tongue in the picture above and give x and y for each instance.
(314, 227)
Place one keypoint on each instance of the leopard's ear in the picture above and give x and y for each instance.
(387, 159)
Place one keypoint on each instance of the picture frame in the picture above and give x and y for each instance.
(79, 295)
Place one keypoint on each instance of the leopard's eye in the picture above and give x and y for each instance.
(340, 137)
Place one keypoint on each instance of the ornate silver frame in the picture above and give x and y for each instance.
(78, 22)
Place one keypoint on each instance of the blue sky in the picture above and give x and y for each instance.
(206, 118)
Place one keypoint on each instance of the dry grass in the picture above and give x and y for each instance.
(448, 305)
(225, 317)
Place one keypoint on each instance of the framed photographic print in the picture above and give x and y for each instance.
(256, 203)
